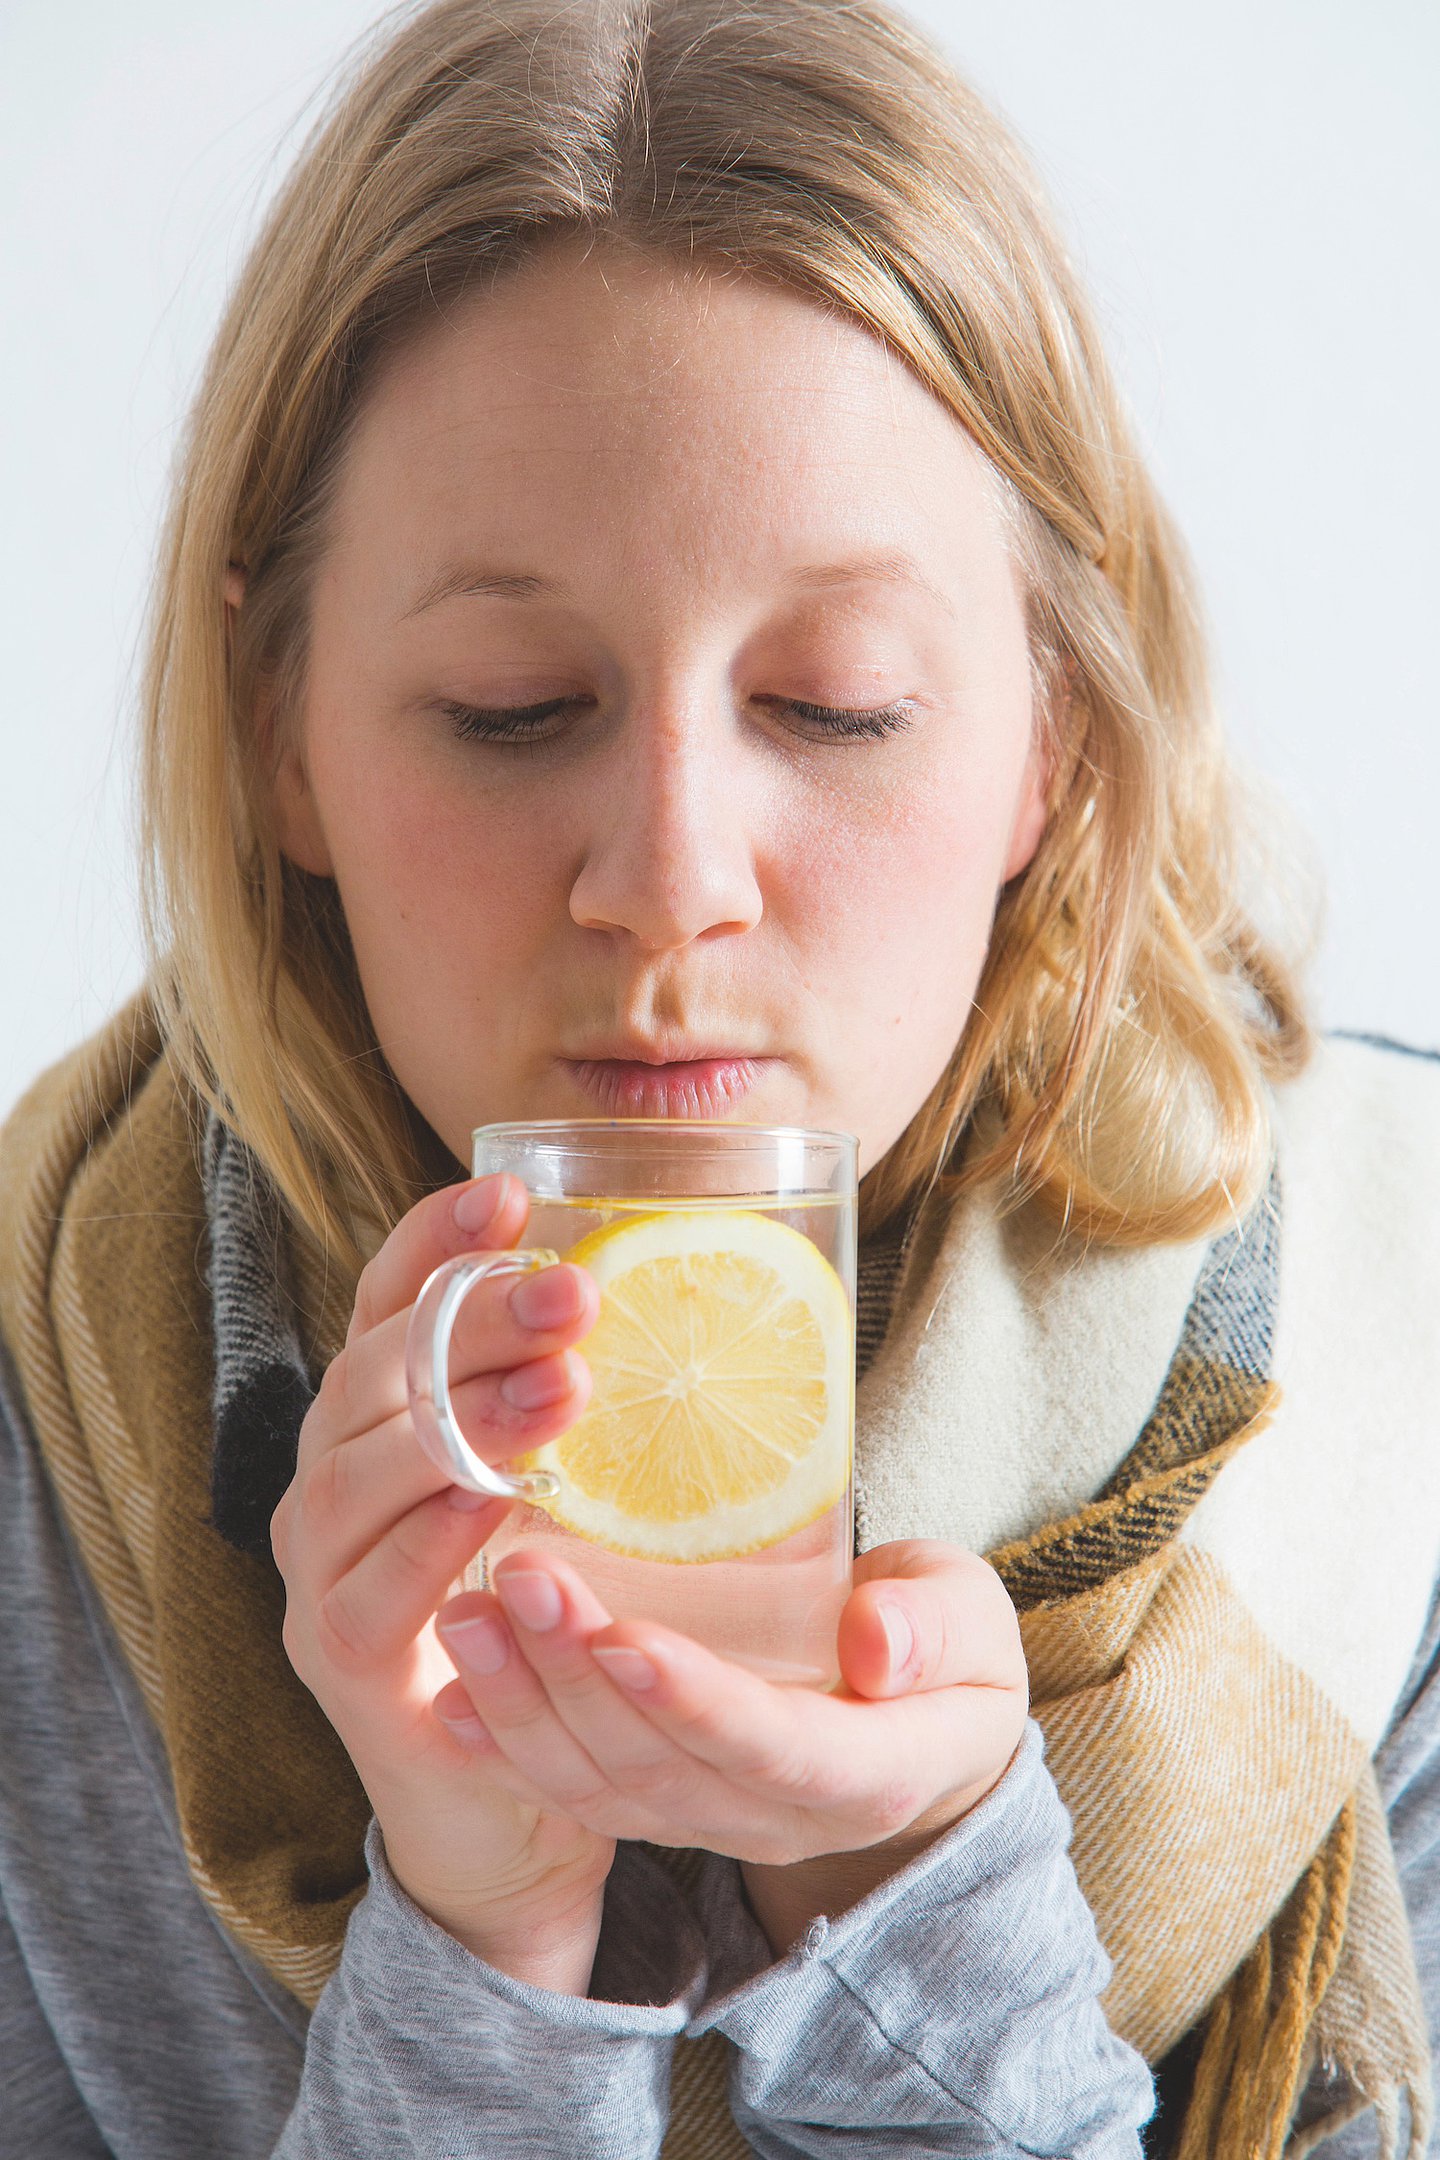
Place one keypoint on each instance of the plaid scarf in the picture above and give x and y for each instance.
(169, 1327)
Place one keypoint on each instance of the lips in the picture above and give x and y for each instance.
(696, 1087)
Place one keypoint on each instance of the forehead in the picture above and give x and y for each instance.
(630, 400)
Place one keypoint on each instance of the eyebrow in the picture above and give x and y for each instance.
(470, 581)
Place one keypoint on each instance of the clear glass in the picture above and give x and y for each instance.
(774, 1609)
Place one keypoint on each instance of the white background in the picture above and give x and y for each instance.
(1252, 188)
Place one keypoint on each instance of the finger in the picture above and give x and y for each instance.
(350, 1484)
(511, 1701)
(351, 1495)
(348, 1495)
(758, 1771)
(373, 1613)
(758, 1736)
(482, 1215)
(927, 1615)
(502, 1325)
(497, 1769)
(555, 1617)
(455, 1711)
(847, 1773)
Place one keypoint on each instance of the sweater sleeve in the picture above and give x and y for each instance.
(42, 2111)
(952, 2012)
(418, 2047)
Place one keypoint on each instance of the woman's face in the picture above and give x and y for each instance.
(603, 542)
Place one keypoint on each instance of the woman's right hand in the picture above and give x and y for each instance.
(371, 1538)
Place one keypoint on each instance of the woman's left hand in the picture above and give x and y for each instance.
(638, 1732)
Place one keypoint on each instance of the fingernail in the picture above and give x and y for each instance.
(464, 1501)
(627, 1668)
(530, 1598)
(468, 1729)
(479, 1644)
(530, 1387)
(476, 1206)
(547, 1299)
(899, 1634)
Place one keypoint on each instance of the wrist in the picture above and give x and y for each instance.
(542, 1932)
(785, 1900)
(556, 1952)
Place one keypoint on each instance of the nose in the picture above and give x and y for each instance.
(670, 846)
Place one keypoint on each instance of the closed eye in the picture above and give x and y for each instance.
(500, 723)
(844, 720)
(522, 723)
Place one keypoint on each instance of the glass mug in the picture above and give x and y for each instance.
(708, 1482)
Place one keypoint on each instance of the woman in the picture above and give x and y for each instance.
(660, 575)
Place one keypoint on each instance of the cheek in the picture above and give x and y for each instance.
(447, 907)
(430, 877)
(893, 909)
(403, 837)
(899, 890)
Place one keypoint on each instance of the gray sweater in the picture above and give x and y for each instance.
(954, 2012)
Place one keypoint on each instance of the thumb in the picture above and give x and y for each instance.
(927, 1615)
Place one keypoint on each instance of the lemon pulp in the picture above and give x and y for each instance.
(723, 1361)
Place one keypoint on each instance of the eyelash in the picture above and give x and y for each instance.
(517, 723)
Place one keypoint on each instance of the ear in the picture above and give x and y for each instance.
(297, 815)
(1029, 825)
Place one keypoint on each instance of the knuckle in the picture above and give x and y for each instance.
(280, 1528)
(590, 1799)
(340, 1632)
(707, 1723)
(332, 1404)
(294, 1640)
(987, 1587)
(412, 1548)
(327, 1495)
(352, 1389)
(607, 1814)
(662, 1785)
(481, 1405)
(942, 1642)
(826, 1785)
(893, 1809)
(366, 1307)
(797, 1766)
(995, 1610)
(792, 1775)
(968, 1613)
(531, 1714)
(320, 1499)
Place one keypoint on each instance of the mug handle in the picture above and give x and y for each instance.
(427, 1373)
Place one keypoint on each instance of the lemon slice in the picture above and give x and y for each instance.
(723, 1362)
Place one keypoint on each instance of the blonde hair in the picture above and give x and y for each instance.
(1130, 1012)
